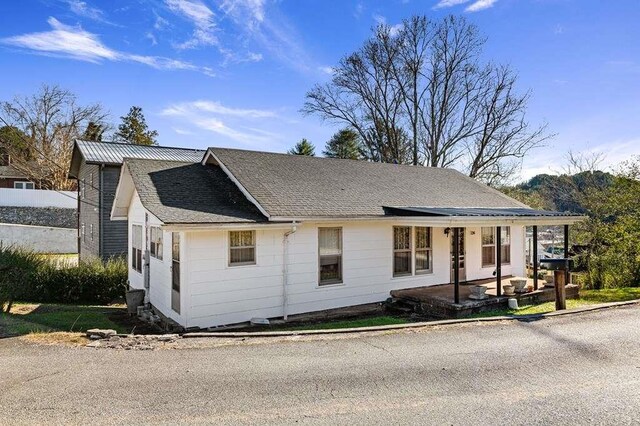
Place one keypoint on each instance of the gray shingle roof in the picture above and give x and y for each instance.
(184, 193)
(111, 153)
(299, 186)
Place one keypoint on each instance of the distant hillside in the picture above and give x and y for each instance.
(561, 193)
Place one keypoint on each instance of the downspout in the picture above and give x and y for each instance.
(285, 255)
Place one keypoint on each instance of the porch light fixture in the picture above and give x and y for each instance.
(446, 231)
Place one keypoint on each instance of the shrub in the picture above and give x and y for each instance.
(27, 277)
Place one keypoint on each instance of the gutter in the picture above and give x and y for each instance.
(285, 255)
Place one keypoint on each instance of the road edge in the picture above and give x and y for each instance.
(414, 325)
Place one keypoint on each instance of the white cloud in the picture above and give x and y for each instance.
(393, 29)
(449, 3)
(273, 33)
(326, 70)
(75, 43)
(238, 124)
(81, 8)
(480, 5)
(202, 18)
(475, 6)
(151, 37)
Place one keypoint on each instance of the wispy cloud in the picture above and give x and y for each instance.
(480, 5)
(202, 18)
(75, 43)
(83, 9)
(238, 124)
(475, 6)
(271, 31)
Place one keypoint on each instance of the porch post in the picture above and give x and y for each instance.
(566, 253)
(535, 257)
(456, 265)
(498, 261)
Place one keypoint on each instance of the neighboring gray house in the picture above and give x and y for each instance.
(96, 167)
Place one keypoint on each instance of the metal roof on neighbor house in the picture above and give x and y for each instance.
(475, 212)
(111, 153)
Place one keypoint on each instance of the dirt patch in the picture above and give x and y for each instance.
(131, 323)
(57, 338)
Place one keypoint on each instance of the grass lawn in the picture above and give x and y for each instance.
(38, 318)
(354, 323)
(587, 297)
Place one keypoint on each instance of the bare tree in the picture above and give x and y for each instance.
(364, 94)
(49, 121)
(427, 84)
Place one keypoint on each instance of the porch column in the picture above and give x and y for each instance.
(566, 253)
(534, 256)
(456, 265)
(498, 261)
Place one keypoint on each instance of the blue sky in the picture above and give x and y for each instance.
(234, 73)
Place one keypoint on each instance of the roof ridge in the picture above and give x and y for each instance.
(138, 145)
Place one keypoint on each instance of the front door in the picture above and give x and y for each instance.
(461, 259)
(175, 271)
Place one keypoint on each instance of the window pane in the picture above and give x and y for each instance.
(330, 269)
(402, 263)
(505, 254)
(505, 235)
(488, 256)
(423, 260)
(242, 255)
(175, 247)
(423, 237)
(488, 236)
(329, 241)
(402, 238)
(241, 238)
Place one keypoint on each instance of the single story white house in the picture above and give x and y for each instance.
(248, 234)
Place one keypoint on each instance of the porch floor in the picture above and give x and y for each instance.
(438, 300)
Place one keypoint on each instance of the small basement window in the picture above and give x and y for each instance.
(242, 248)
(155, 242)
(330, 255)
(136, 247)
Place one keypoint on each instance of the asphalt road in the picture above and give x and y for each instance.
(581, 369)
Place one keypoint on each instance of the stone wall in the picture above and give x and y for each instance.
(47, 216)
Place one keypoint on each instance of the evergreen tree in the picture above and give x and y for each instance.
(304, 147)
(93, 132)
(134, 129)
(344, 144)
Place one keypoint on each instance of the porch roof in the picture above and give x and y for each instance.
(476, 212)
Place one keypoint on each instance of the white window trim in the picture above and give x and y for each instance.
(412, 250)
(254, 246)
(141, 247)
(331, 283)
(23, 184)
(159, 255)
(483, 245)
(502, 231)
(429, 249)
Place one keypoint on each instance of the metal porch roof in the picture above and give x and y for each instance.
(475, 212)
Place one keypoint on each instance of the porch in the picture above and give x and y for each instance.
(439, 300)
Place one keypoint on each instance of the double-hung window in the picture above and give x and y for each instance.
(330, 255)
(488, 246)
(23, 185)
(505, 245)
(242, 248)
(423, 254)
(136, 247)
(155, 242)
(402, 251)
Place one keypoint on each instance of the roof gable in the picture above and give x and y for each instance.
(187, 193)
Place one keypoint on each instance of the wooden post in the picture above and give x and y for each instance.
(456, 265)
(498, 261)
(559, 283)
(566, 253)
(535, 257)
